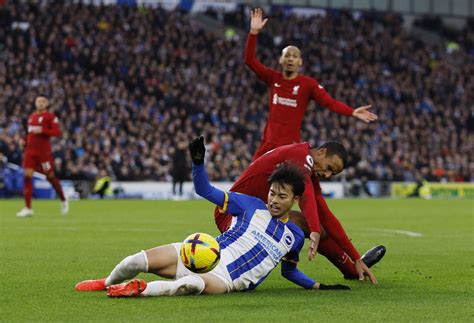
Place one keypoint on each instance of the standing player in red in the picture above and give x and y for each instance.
(37, 156)
(316, 220)
(290, 93)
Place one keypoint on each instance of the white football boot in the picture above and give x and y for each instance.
(25, 212)
(64, 207)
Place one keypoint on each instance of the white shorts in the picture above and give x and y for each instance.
(220, 271)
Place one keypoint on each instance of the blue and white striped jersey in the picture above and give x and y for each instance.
(256, 242)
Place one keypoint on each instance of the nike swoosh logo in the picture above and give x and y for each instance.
(277, 85)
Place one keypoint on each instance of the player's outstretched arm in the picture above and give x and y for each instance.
(364, 114)
(293, 274)
(322, 97)
(310, 211)
(201, 183)
(256, 21)
(250, 58)
(228, 202)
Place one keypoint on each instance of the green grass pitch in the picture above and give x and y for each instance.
(421, 278)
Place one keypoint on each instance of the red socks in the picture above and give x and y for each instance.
(57, 187)
(331, 250)
(28, 190)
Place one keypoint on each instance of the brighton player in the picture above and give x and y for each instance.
(261, 236)
(290, 93)
(42, 125)
(318, 223)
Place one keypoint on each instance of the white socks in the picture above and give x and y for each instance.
(128, 268)
(192, 284)
(138, 263)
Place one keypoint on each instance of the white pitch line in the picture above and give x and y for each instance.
(402, 232)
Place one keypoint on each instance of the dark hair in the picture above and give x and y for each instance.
(335, 148)
(288, 173)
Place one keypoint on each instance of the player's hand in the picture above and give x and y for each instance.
(364, 114)
(313, 244)
(256, 22)
(332, 287)
(364, 271)
(197, 150)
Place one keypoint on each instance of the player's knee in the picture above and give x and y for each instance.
(193, 284)
(213, 285)
(135, 263)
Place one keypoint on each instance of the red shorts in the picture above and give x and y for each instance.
(223, 220)
(38, 162)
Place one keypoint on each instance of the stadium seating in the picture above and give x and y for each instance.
(129, 83)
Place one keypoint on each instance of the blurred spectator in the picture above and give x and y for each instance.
(102, 185)
(125, 81)
(179, 170)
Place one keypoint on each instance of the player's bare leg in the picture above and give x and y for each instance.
(163, 262)
(27, 192)
(213, 284)
(57, 187)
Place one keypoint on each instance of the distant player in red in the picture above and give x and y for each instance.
(316, 220)
(37, 156)
(290, 93)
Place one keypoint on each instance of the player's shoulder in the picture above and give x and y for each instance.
(301, 147)
(276, 76)
(52, 116)
(49, 115)
(250, 201)
(296, 230)
(296, 152)
(309, 80)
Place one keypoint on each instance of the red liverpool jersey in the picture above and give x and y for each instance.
(288, 100)
(48, 123)
(254, 180)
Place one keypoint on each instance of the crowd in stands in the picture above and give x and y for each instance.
(129, 84)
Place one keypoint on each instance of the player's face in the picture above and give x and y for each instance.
(41, 103)
(280, 199)
(290, 59)
(326, 166)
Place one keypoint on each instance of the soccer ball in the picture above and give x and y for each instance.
(200, 253)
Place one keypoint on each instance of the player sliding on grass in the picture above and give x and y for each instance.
(261, 237)
(42, 125)
(290, 93)
(318, 222)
